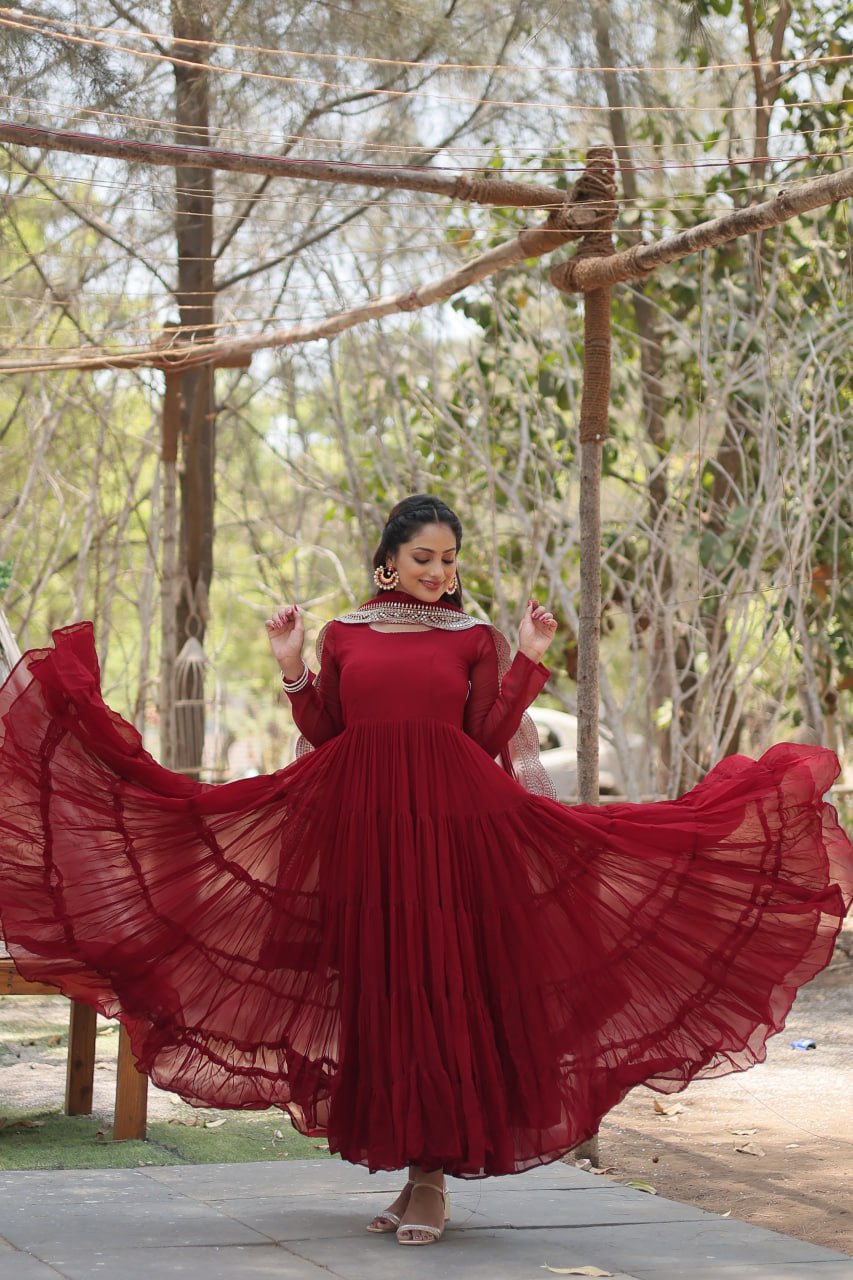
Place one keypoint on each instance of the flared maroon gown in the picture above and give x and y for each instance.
(392, 939)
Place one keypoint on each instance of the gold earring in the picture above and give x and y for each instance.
(452, 585)
(386, 577)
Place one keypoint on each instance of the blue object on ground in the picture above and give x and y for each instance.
(803, 1044)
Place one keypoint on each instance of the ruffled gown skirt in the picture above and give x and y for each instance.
(396, 943)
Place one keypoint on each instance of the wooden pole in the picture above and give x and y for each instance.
(131, 1111)
(592, 432)
(170, 431)
(478, 190)
(567, 223)
(80, 1064)
(583, 273)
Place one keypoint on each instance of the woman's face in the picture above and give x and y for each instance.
(427, 564)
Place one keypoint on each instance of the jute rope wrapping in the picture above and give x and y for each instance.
(583, 273)
(598, 188)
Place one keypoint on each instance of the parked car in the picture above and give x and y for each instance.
(558, 746)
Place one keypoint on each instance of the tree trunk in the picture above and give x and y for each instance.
(195, 296)
(652, 397)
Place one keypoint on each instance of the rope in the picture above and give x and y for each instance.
(834, 59)
(597, 190)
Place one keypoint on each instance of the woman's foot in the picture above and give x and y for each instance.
(423, 1219)
(388, 1221)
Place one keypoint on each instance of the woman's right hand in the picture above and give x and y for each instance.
(286, 632)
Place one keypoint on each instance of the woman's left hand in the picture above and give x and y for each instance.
(537, 630)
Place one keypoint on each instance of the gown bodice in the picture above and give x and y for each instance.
(450, 677)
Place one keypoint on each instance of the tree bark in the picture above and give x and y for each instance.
(652, 397)
(195, 296)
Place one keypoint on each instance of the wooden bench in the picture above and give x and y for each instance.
(131, 1105)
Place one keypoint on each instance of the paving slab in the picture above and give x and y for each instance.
(612, 1205)
(669, 1251)
(264, 1178)
(305, 1220)
(240, 1262)
(760, 1271)
(310, 1177)
(23, 1267)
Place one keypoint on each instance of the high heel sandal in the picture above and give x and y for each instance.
(392, 1218)
(434, 1234)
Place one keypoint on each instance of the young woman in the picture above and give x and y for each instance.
(402, 939)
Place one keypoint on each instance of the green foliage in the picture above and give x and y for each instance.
(28, 55)
(477, 400)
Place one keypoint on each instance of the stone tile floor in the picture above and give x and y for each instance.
(305, 1220)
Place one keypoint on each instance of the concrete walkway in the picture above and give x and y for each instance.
(304, 1220)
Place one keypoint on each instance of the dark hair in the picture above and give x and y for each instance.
(404, 522)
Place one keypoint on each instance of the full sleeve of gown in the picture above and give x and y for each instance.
(317, 708)
(494, 708)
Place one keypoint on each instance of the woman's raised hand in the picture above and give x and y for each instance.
(536, 631)
(286, 632)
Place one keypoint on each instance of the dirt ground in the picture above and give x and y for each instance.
(793, 1114)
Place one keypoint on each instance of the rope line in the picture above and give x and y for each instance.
(400, 94)
(47, 108)
(504, 68)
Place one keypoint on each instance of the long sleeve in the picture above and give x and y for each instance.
(494, 708)
(317, 708)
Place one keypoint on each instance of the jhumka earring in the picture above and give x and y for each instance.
(452, 585)
(385, 577)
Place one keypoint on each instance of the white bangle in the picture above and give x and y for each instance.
(297, 685)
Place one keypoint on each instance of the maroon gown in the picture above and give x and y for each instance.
(392, 939)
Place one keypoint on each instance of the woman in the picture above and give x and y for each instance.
(393, 939)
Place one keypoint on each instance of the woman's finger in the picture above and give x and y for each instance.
(284, 617)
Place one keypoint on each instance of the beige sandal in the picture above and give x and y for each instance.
(393, 1219)
(434, 1233)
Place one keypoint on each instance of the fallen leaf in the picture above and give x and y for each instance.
(577, 1271)
(789, 1146)
(54, 1039)
(668, 1108)
(24, 1123)
(639, 1185)
(214, 1124)
(742, 1133)
(750, 1149)
(727, 1214)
